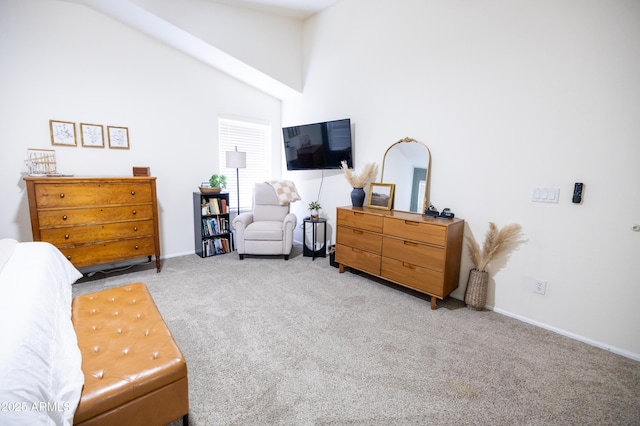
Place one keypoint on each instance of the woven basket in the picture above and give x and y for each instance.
(475, 296)
(215, 190)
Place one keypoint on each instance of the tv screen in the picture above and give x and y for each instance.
(318, 145)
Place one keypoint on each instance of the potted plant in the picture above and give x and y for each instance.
(496, 242)
(359, 180)
(314, 206)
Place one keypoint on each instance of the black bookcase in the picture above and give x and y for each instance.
(212, 230)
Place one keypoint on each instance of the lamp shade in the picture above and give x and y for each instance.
(236, 159)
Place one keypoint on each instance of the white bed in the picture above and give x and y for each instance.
(40, 363)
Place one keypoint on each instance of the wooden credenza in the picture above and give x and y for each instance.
(409, 249)
(96, 220)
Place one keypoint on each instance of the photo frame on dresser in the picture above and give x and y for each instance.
(381, 196)
(91, 135)
(62, 132)
(118, 137)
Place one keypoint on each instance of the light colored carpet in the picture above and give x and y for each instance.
(269, 341)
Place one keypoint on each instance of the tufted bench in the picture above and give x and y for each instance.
(133, 370)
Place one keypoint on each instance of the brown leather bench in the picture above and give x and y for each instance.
(134, 371)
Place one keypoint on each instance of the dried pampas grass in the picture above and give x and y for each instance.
(495, 242)
(359, 180)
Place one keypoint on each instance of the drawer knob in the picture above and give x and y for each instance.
(64, 217)
(69, 257)
(133, 192)
(66, 236)
(135, 228)
(62, 195)
(134, 212)
(137, 247)
(410, 222)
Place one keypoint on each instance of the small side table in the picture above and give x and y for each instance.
(311, 251)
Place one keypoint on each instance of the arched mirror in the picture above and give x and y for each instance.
(407, 164)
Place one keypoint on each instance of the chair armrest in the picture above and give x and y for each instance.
(290, 220)
(240, 223)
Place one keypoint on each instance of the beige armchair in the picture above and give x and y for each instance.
(268, 229)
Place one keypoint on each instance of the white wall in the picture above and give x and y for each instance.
(64, 61)
(508, 96)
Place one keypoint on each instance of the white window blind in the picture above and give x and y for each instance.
(254, 139)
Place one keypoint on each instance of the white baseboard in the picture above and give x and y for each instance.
(615, 350)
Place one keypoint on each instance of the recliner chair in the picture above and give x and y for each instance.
(268, 229)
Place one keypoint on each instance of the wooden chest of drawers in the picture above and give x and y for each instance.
(96, 221)
(406, 248)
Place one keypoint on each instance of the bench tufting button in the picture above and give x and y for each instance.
(113, 299)
(139, 316)
(119, 331)
(146, 332)
(96, 349)
(156, 355)
(125, 351)
(99, 374)
(116, 313)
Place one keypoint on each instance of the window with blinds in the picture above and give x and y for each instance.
(251, 137)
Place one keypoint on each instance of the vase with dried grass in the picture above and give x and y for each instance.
(359, 180)
(496, 242)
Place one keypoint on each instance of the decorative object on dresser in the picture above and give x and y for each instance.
(212, 234)
(496, 242)
(359, 180)
(407, 164)
(381, 196)
(406, 248)
(96, 220)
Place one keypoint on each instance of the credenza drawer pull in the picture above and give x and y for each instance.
(69, 257)
(137, 247)
(357, 231)
(133, 192)
(355, 250)
(134, 212)
(410, 222)
(408, 265)
(66, 236)
(135, 228)
(410, 243)
(62, 195)
(64, 217)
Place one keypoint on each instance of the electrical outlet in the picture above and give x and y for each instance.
(540, 287)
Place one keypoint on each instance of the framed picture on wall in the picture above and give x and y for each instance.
(62, 132)
(118, 137)
(381, 195)
(92, 135)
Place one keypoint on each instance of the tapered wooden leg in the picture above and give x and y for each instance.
(341, 268)
(433, 303)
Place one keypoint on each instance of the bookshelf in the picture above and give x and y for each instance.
(212, 231)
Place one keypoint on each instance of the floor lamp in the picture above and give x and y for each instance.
(237, 160)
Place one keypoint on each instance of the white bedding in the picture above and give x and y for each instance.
(40, 363)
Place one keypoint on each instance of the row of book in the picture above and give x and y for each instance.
(212, 226)
(215, 246)
(215, 206)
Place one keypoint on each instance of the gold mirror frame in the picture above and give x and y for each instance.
(403, 188)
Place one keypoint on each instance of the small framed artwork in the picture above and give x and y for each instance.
(118, 137)
(62, 132)
(91, 135)
(381, 195)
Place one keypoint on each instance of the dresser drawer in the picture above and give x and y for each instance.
(50, 195)
(357, 219)
(359, 239)
(424, 255)
(413, 276)
(72, 217)
(416, 230)
(358, 259)
(92, 254)
(94, 233)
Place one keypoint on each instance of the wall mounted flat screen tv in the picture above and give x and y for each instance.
(318, 145)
